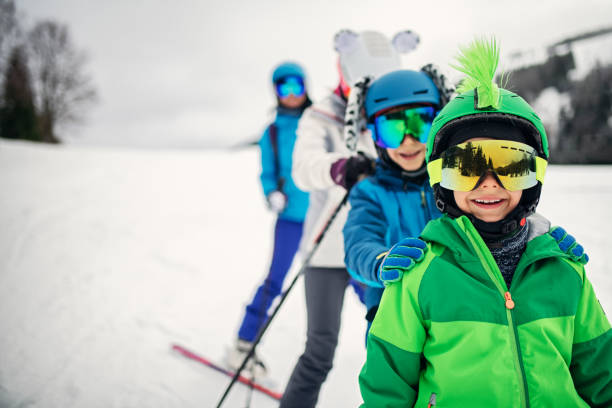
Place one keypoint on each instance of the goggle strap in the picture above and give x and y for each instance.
(541, 165)
(434, 169)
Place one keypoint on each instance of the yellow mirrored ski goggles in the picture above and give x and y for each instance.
(516, 165)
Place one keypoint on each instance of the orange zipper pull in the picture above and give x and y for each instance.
(509, 301)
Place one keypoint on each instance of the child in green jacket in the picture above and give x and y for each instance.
(495, 314)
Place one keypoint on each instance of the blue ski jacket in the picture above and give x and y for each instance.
(385, 208)
(276, 163)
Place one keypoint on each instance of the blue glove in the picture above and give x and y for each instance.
(568, 244)
(400, 259)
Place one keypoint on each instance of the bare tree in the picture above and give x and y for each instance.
(63, 91)
(9, 31)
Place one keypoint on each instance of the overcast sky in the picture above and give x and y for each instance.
(195, 73)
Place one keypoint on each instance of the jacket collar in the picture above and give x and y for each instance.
(395, 178)
(453, 235)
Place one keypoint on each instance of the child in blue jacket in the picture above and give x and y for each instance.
(283, 198)
(397, 201)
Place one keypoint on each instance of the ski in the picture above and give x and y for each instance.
(246, 381)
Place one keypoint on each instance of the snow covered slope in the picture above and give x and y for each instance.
(108, 256)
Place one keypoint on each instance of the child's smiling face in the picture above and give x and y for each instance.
(489, 202)
(410, 155)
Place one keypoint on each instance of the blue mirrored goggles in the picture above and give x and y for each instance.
(290, 85)
(390, 129)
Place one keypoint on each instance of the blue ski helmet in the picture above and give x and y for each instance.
(286, 69)
(401, 87)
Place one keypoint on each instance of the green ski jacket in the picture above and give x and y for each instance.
(451, 334)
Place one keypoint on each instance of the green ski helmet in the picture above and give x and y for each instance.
(480, 101)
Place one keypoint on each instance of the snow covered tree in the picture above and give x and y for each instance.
(587, 127)
(63, 91)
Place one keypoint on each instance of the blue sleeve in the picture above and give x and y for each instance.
(364, 236)
(268, 170)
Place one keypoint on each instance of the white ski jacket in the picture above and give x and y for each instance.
(319, 144)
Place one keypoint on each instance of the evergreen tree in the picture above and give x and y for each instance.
(586, 128)
(17, 114)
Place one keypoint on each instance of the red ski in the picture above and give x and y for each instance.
(256, 386)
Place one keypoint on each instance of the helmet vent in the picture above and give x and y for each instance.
(380, 99)
(422, 91)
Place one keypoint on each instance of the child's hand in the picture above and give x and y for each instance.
(568, 244)
(400, 259)
(347, 172)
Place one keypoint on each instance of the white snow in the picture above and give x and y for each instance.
(108, 256)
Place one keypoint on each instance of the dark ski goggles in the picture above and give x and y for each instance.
(290, 85)
(461, 167)
(390, 129)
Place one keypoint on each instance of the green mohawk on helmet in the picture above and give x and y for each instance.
(479, 62)
(480, 98)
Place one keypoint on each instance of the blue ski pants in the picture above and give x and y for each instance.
(287, 236)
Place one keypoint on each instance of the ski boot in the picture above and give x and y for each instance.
(254, 368)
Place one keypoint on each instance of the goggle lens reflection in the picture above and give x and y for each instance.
(290, 85)
(390, 129)
(461, 167)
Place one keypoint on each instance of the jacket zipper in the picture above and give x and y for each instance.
(509, 305)
(432, 400)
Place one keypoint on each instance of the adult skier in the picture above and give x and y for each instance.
(283, 198)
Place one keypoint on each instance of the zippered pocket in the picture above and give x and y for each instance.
(432, 400)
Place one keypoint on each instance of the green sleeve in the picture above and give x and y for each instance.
(591, 364)
(390, 376)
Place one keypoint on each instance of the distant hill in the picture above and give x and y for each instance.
(569, 83)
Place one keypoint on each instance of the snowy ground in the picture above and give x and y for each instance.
(108, 256)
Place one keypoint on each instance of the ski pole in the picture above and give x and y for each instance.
(305, 264)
